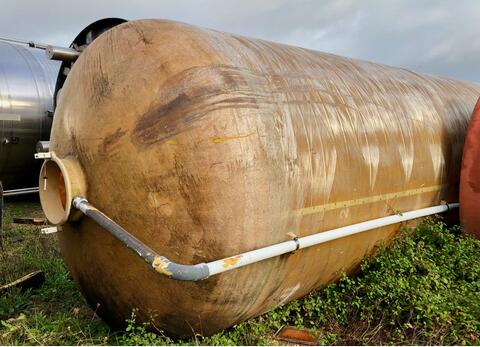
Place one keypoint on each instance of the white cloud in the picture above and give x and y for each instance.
(434, 36)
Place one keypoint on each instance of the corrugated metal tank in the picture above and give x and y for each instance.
(205, 145)
(27, 83)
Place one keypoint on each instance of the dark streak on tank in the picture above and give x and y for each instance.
(139, 32)
(111, 140)
(102, 87)
(192, 94)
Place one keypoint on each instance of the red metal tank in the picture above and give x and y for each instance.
(470, 177)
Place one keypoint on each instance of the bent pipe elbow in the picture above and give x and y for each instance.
(160, 264)
(183, 272)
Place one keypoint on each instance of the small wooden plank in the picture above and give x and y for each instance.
(29, 220)
(33, 280)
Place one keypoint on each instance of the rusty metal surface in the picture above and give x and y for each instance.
(470, 177)
(207, 145)
(297, 336)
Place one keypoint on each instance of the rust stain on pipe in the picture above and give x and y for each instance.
(231, 261)
(161, 267)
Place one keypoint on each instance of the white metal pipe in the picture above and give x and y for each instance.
(230, 263)
(21, 191)
(204, 270)
(28, 43)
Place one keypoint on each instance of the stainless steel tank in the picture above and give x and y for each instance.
(27, 83)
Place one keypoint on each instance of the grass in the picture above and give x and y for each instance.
(424, 289)
(54, 314)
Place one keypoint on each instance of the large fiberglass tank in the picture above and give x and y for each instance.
(204, 145)
(27, 83)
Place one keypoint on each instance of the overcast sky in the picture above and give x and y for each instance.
(434, 36)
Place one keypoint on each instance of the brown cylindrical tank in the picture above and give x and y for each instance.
(204, 145)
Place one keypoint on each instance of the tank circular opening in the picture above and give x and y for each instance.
(53, 192)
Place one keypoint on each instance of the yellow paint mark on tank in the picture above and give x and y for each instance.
(228, 138)
(160, 266)
(226, 263)
(366, 200)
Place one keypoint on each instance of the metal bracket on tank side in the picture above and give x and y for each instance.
(43, 155)
(50, 230)
(62, 53)
(204, 270)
